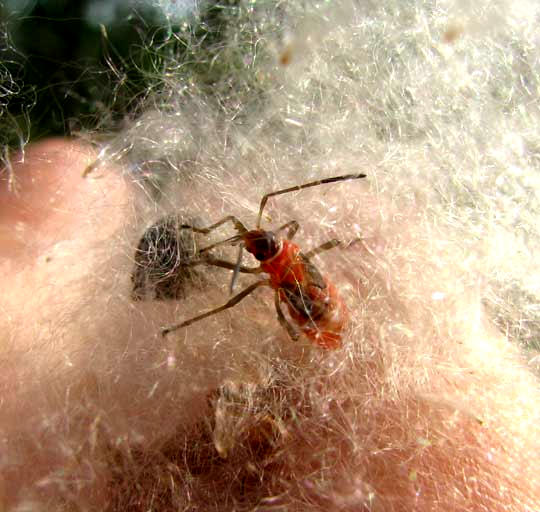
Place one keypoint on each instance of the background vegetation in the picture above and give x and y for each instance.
(68, 66)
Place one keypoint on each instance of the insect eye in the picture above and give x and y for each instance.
(262, 244)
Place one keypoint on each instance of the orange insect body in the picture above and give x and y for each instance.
(312, 301)
(286, 267)
(329, 327)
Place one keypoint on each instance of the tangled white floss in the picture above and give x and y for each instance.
(432, 404)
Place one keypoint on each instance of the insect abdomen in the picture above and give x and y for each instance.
(319, 312)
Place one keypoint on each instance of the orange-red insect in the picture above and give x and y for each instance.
(312, 301)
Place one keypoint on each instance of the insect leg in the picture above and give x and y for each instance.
(334, 179)
(292, 227)
(210, 260)
(291, 331)
(323, 247)
(236, 270)
(238, 225)
(329, 245)
(229, 304)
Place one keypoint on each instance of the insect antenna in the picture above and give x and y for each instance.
(334, 179)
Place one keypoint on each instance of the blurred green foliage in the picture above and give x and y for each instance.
(61, 72)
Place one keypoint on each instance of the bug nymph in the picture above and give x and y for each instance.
(313, 303)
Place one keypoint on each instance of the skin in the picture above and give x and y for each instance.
(421, 420)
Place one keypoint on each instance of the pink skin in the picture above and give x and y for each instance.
(80, 363)
(45, 200)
